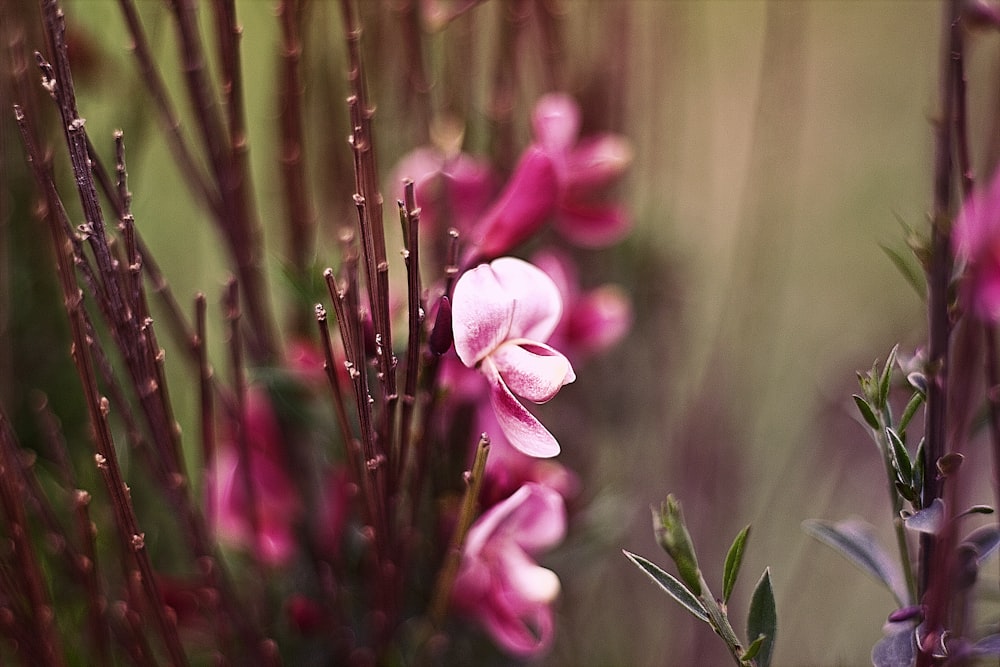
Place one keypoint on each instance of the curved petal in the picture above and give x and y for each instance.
(537, 301)
(539, 522)
(492, 521)
(524, 205)
(532, 370)
(597, 162)
(521, 631)
(600, 319)
(593, 225)
(556, 122)
(526, 579)
(481, 314)
(523, 431)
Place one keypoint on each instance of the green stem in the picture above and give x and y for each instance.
(719, 621)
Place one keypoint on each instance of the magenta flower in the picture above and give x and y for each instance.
(499, 584)
(502, 315)
(976, 236)
(556, 179)
(592, 321)
(277, 505)
(452, 190)
(582, 167)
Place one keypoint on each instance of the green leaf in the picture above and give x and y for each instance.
(900, 458)
(885, 380)
(753, 649)
(910, 273)
(672, 586)
(866, 411)
(733, 561)
(762, 618)
(910, 410)
(856, 541)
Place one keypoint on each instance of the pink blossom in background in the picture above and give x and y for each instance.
(525, 204)
(278, 505)
(499, 584)
(556, 178)
(451, 190)
(502, 315)
(592, 321)
(583, 167)
(976, 237)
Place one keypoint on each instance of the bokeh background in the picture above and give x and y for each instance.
(777, 146)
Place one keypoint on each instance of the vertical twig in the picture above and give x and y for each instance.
(934, 580)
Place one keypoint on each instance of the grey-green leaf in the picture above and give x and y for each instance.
(911, 409)
(856, 541)
(753, 649)
(866, 410)
(928, 520)
(762, 619)
(671, 585)
(733, 561)
(900, 457)
(885, 380)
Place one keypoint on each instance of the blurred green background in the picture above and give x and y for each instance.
(776, 145)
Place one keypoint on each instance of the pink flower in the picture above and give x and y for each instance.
(582, 167)
(555, 179)
(524, 205)
(502, 314)
(499, 584)
(976, 236)
(277, 506)
(592, 321)
(451, 191)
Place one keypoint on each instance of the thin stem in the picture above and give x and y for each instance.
(934, 579)
(468, 513)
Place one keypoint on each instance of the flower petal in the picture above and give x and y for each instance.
(593, 225)
(596, 162)
(537, 301)
(556, 122)
(599, 319)
(532, 370)
(528, 580)
(523, 206)
(481, 314)
(520, 630)
(539, 521)
(522, 429)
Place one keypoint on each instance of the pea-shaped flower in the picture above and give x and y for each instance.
(502, 315)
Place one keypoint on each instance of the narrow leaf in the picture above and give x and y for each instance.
(672, 586)
(900, 458)
(914, 277)
(897, 648)
(928, 520)
(911, 409)
(989, 645)
(885, 381)
(762, 619)
(733, 561)
(866, 410)
(753, 649)
(985, 541)
(856, 541)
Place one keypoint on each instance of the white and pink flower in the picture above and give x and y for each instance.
(502, 315)
(499, 584)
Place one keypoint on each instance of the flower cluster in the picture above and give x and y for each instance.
(514, 323)
(331, 465)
